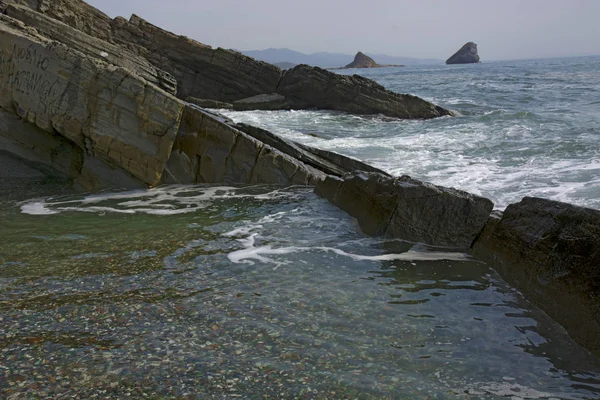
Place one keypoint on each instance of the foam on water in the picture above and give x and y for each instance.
(526, 128)
(164, 200)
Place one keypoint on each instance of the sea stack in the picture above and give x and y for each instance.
(361, 60)
(466, 55)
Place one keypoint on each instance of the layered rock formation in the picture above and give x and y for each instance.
(191, 69)
(69, 110)
(466, 55)
(92, 99)
(362, 60)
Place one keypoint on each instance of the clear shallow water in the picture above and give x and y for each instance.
(527, 128)
(256, 292)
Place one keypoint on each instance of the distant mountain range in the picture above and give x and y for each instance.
(289, 58)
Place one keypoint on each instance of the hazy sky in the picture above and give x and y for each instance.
(507, 29)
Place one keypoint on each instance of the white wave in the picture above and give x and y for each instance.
(37, 208)
(247, 235)
(166, 200)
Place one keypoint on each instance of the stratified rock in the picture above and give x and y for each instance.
(313, 87)
(550, 251)
(200, 71)
(409, 209)
(92, 46)
(329, 162)
(75, 13)
(209, 149)
(271, 101)
(100, 111)
(361, 60)
(466, 55)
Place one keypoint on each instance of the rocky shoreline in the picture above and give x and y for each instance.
(98, 101)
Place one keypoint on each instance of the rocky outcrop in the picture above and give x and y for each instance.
(466, 55)
(200, 70)
(192, 69)
(362, 60)
(210, 149)
(551, 252)
(104, 126)
(92, 46)
(100, 111)
(331, 163)
(75, 13)
(88, 98)
(313, 87)
(409, 209)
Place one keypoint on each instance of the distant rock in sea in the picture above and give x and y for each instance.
(466, 55)
(361, 60)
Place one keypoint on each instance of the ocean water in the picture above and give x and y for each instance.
(266, 292)
(526, 128)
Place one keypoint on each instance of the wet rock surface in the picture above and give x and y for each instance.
(551, 251)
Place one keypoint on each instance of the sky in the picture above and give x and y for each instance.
(507, 29)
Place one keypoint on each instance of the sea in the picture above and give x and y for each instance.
(268, 292)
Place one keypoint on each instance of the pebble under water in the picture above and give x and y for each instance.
(256, 292)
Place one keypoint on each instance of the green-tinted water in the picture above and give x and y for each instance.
(255, 292)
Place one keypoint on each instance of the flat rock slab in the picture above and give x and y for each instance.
(551, 252)
(408, 209)
(272, 101)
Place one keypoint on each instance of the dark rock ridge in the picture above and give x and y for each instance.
(188, 68)
(466, 55)
(362, 60)
(313, 87)
(409, 209)
(77, 101)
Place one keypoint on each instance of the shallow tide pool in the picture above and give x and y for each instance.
(256, 292)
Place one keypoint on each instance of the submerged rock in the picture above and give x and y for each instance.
(551, 252)
(466, 55)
